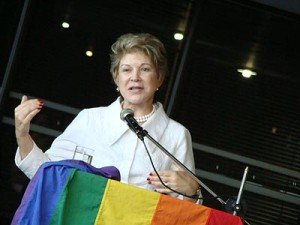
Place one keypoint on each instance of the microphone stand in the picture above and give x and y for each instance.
(237, 206)
(234, 204)
(127, 115)
(141, 133)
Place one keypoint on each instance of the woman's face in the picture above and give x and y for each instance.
(137, 79)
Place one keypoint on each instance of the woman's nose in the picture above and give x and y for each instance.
(135, 76)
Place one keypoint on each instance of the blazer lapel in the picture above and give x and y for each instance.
(156, 126)
(114, 122)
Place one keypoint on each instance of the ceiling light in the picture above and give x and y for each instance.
(178, 36)
(89, 53)
(65, 25)
(246, 73)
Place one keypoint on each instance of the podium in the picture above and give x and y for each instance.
(73, 192)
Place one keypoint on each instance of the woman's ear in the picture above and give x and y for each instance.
(116, 80)
(160, 81)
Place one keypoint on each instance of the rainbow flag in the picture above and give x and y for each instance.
(72, 192)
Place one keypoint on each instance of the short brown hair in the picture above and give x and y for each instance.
(144, 42)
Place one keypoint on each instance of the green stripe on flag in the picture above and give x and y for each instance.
(80, 200)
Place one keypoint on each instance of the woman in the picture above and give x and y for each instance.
(138, 67)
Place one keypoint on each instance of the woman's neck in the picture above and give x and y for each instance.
(139, 110)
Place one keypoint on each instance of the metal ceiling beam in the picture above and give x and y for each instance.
(246, 160)
(249, 186)
(13, 54)
(34, 127)
(189, 36)
(49, 104)
(292, 6)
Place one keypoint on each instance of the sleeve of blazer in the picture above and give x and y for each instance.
(62, 148)
(184, 151)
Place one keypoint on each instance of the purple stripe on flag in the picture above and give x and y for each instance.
(31, 211)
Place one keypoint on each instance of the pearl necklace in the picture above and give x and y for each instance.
(142, 119)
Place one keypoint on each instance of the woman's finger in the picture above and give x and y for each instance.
(24, 99)
(158, 184)
(24, 113)
(165, 173)
(21, 116)
(156, 178)
(163, 190)
(32, 114)
(23, 110)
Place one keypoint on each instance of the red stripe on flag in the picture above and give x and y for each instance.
(218, 217)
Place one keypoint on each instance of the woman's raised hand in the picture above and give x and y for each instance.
(24, 114)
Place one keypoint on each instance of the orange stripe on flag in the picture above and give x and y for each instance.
(171, 211)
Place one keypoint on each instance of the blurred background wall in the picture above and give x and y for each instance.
(235, 120)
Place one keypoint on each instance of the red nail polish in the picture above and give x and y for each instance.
(149, 182)
(150, 174)
(148, 178)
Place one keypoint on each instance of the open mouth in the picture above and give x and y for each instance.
(135, 88)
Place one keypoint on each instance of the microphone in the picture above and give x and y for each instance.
(128, 116)
(126, 112)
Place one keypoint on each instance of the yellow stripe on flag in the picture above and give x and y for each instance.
(126, 204)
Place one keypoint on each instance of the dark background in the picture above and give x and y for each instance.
(235, 122)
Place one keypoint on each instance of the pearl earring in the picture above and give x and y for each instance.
(117, 89)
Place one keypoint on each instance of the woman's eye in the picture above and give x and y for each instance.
(146, 69)
(125, 70)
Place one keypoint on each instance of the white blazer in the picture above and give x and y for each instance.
(114, 144)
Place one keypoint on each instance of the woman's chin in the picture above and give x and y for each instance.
(137, 101)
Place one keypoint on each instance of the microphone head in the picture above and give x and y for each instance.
(126, 112)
